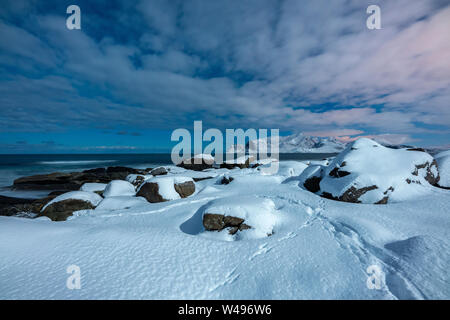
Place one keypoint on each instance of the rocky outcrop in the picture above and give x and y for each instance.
(160, 171)
(197, 163)
(73, 180)
(150, 191)
(15, 206)
(218, 222)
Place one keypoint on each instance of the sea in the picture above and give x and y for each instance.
(20, 165)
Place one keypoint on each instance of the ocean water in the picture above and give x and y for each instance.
(15, 166)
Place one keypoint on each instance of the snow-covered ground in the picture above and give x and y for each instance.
(128, 248)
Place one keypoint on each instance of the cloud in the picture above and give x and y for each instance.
(390, 139)
(293, 65)
(334, 133)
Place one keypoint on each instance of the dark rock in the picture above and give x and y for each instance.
(226, 180)
(158, 171)
(56, 193)
(336, 173)
(416, 149)
(13, 206)
(73, 180)
(201, 179)
(120, 173)
(185, 189)
(150, 191)
(312, 184)
(353, 194)
(138, 181)
(218, 222)
(190, 165)
(96, 171)
(383, 201)
(61, 210)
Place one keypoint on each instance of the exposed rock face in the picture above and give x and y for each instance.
(150, 191)
(367, 172)
(185, 189)
(312, 184)
(190, 165)
(14, 206)
(61, 210)
(158, 171)
(73, 180)
(218, 222)
(226, 180)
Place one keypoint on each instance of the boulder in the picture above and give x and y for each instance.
(63, 206)
(225, 180)
(199, 162)
(185, 189)
(150, 191)
(367, 172)
(256, 216)
(160, 171)
(61, 210)
(218, 222)
(161, 189)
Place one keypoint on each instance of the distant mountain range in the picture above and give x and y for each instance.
(301, 143)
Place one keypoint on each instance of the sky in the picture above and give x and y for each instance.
(137, 70)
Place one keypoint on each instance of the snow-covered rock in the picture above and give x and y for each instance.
(93, 187)
(160, 189)
(119, 188)
(368, 172)
(63, 206)
(443, 161)
(198, 162)
(243, 217)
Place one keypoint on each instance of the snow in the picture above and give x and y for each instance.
(443, 160)
(291, 168)
(120, 203)
(128, 248)
(92, 187)
(119, 188)
(91, 197)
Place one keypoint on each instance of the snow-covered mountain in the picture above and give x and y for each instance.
(302, 143)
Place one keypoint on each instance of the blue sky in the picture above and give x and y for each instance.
(139, 69)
